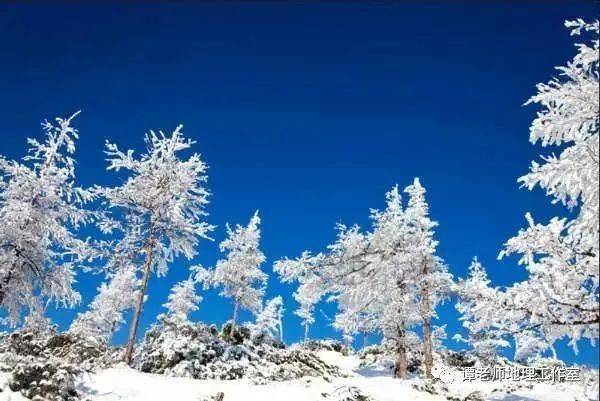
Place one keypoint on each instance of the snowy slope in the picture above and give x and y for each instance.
(125, 384)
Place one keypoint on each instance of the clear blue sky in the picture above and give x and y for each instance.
(309, 112)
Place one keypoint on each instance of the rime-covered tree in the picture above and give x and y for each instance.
(377, 277)
(239, 275)
(41, 211)
(560, 297)
(346, 320)
(270, 319)
(309, 291)
(434, 281)
(531, 345)
(182, 301)
(36, 321)
(105, 314)
(478, 305)
(160, 207)
(307, 295)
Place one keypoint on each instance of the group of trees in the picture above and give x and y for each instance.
(387, 279)
(560, 297)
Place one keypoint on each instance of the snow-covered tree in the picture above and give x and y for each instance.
(434, 281)
(270, 319)
(105, 314)
(239, 275)
(309, 291)
(41, 211)
(160, 207)
(478, 304)
(182, 301)
(560, 297)
(307, 297)
(530, 346)
(378, 277)
(36, 321)
(438, 335)
(347, 319)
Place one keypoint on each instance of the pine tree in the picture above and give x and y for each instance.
(309, 291)
(270, 319)
(182, 301)
(159, 209)
(239, 275)
(41, 211)
(434, 281)
(560, 296)
(478, 305)
(105, 314)
(372, 275)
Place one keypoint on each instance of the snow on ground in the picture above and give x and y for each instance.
(124, 384)
(127, 384)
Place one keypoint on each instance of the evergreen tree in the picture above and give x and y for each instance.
(105, 314)
(182, 301)
(239, 275)
(159, 209)
(41, 210)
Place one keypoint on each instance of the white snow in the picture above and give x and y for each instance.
(127, 384)
(124, 384)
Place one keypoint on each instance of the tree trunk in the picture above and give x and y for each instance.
(427, 347)
(346, 347)
(280, 328)
(4, 286)
(306, 330)
(139, 302)
(234, 319)
(426, 310)
(401, 367)
(553, 350)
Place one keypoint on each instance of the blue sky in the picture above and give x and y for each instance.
(308, 112)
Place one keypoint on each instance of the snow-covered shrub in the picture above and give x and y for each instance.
(45, 379)
(238, 335)
(384, 355)
(85, 352)
(459, 359)
(44, 365)
(195, 350)
(324, 345)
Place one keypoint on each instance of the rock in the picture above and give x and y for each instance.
(475, 396)
(220, 396)
(348, 393)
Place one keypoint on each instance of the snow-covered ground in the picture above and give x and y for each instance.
(125, 384)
